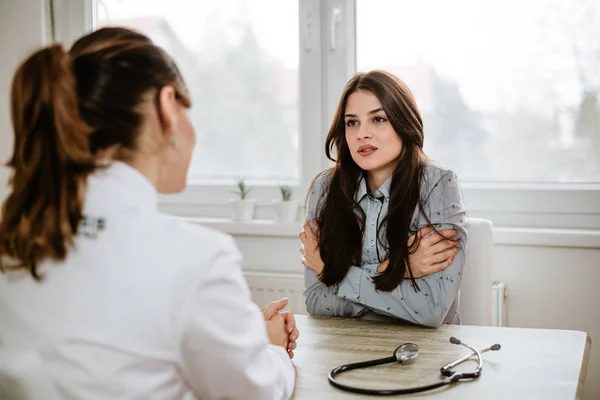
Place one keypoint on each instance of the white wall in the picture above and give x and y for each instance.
(553, 287)
(22, 30)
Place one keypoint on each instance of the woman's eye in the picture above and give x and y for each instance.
(379, 119)
(351, 122)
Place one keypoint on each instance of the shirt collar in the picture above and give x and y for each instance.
(122, 183)
(363, 190)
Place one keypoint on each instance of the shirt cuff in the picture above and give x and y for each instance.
(289, 371)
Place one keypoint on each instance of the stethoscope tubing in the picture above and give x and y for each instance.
(446, 370)
(386, 392)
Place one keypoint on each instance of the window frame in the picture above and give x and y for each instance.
(323, 71)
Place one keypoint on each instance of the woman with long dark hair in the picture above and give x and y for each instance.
(386, 229)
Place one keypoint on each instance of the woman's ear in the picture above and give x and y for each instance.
(167, 109)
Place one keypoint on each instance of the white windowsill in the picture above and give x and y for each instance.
(578, 238)
(257, 227)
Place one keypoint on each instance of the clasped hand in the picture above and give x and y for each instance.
(281, 325)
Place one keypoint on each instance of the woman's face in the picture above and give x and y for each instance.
(374, 144)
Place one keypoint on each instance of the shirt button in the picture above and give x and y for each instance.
(372, 243)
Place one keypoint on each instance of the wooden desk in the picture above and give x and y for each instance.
(532, 364)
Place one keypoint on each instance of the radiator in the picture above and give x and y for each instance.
(499, 308)
(266, 287)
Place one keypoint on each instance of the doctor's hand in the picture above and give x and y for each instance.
(311, 256)
(270, 311)
(278, 334)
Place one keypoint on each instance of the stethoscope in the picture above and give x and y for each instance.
(405, 354)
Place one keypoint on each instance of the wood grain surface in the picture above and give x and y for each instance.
(532, 364)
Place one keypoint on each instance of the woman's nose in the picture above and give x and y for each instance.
(363, 132)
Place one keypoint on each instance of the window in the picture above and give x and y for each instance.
(508, 91)
(241, 66)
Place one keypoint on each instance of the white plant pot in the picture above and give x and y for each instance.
(243, 210)
(285, 211)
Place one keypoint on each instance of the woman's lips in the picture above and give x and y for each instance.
(366, 150)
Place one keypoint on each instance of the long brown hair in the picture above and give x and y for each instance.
(340, 219)
(69, 109)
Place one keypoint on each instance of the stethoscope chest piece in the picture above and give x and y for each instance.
(406, 353)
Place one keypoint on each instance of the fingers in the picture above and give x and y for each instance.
(302, 249)
(424, 231)
(290, 326)
(438, 266)
(443, 256)
(273, 308)
(309, 229)
(309, 232)
(290, 322)
(437, 237)
(429, 240)
(442, 246)
(313, 227)
(441, 266)
(295, 334)
(302, 236)
(290, 349)
(308, 238)
(411, 238)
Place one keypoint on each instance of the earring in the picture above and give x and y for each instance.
(175, 141)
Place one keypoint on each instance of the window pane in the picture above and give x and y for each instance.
(240, 61)
(508, 90)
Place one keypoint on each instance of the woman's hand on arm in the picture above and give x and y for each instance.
(434, 253)
(311, 256)
(322, 300)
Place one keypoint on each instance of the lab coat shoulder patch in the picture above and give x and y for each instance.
(91, 226)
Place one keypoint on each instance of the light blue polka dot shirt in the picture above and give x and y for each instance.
(438, 300)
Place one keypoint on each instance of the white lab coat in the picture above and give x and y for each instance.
(146, 306)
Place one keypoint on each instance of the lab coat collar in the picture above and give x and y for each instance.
(125, 184)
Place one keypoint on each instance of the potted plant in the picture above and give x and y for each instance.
(286, 209)
(242, 209)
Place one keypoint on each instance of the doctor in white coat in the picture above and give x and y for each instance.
(119, 300)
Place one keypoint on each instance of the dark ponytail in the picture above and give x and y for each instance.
(50, 163)
(68, 110)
